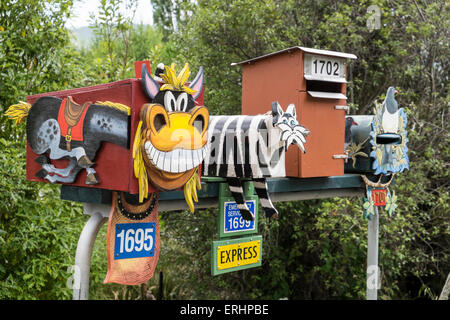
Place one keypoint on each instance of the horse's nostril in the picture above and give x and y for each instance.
(199, 123)
(159, 121)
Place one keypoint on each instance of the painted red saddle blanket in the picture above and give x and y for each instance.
(71, 119)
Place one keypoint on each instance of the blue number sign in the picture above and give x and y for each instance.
(233, 221)
(134, 240)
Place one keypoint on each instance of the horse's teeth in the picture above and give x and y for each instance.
(174, 162)
(178, 160)
(189, 160)
(199, 156)
(189, 165)
(160, 162)
(182, 161)
(167, 161)
(153, 153)
(194, 158)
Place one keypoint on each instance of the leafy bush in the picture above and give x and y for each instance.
(37, 232)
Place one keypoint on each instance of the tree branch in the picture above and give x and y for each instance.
(420, 12)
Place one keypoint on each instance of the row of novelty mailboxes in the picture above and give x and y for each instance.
(313, 80)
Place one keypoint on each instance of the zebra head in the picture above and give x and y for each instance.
(291, 131)
(174, 129)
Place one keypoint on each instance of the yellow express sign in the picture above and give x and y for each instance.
(238, 254)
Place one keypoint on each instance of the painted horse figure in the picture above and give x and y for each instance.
(61, 129)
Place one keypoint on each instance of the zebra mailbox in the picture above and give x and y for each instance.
(315, 82)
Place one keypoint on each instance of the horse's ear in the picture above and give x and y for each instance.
(197, 84)
(291, 110)
(151, 87)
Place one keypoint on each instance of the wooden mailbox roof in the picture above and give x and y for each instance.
(308, 50)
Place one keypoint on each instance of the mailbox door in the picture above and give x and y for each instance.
(326, 139)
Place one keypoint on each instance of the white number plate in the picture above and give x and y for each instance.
(318, 67)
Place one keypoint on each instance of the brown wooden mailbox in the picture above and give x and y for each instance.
(315, 81)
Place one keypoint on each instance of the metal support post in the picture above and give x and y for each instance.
(373, 280)
(99, 215)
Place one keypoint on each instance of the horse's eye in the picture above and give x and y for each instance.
(182, 102)
(169, 102)
(159, 121)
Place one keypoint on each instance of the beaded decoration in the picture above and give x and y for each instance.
(124, 207)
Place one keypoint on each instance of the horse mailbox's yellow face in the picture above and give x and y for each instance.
(174, 144)
(171, 139)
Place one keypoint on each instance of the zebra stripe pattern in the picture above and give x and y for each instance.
(261, 190)
(240, 147)
(260, 184)
(237, 191)
(252, 147)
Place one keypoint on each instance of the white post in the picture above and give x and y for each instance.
(99, 215)
(373, 273)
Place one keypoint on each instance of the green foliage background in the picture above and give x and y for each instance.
(317, 249)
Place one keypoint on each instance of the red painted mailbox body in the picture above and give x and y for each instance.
(113, 164)
(313, 80)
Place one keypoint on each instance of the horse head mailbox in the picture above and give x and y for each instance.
(315, 82)
(171, 138)
(93, 128)
(120, 136)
